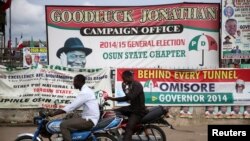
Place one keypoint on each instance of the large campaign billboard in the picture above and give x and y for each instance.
(190, 87)
(182, 35)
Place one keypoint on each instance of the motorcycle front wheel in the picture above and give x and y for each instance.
(24, 138)
(150, 133)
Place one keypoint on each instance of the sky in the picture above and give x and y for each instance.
(28, 16)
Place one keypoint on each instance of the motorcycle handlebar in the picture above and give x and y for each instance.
(44, 113)
(106, 104)
(101, 106)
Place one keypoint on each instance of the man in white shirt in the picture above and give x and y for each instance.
(90, 114)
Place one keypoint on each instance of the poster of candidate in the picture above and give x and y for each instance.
(184, 35)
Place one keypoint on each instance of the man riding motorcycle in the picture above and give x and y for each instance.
(90, 114)
(134, 95)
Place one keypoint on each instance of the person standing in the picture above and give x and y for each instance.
(237, 50)
(134, 95)
(90, 114)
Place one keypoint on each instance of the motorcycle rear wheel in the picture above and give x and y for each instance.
(151, 133)
(24, 138)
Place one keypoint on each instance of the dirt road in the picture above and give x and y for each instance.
(186, 133)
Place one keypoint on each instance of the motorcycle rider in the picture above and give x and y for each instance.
(90, 114)
(134, 95)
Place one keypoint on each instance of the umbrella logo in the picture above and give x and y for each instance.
(150, 84)
(201, 42)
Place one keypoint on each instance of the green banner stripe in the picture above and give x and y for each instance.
(66, 28)
(202, 29)
(188, 98)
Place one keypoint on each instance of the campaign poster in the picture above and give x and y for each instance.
(178, 36)
(34, 56)
(49, 86)
(235, 35)
(208, 87)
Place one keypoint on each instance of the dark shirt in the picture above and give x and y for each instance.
(237, 51)
(135, 96)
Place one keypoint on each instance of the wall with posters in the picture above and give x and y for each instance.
(235, 33)
(20, 89)
(138, 36)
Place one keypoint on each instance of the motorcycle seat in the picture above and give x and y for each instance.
(103, 123)
(153, 114)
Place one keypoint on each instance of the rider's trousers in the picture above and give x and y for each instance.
(69, 125)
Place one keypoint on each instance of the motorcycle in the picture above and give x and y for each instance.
(149, 127)
(46, 128)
